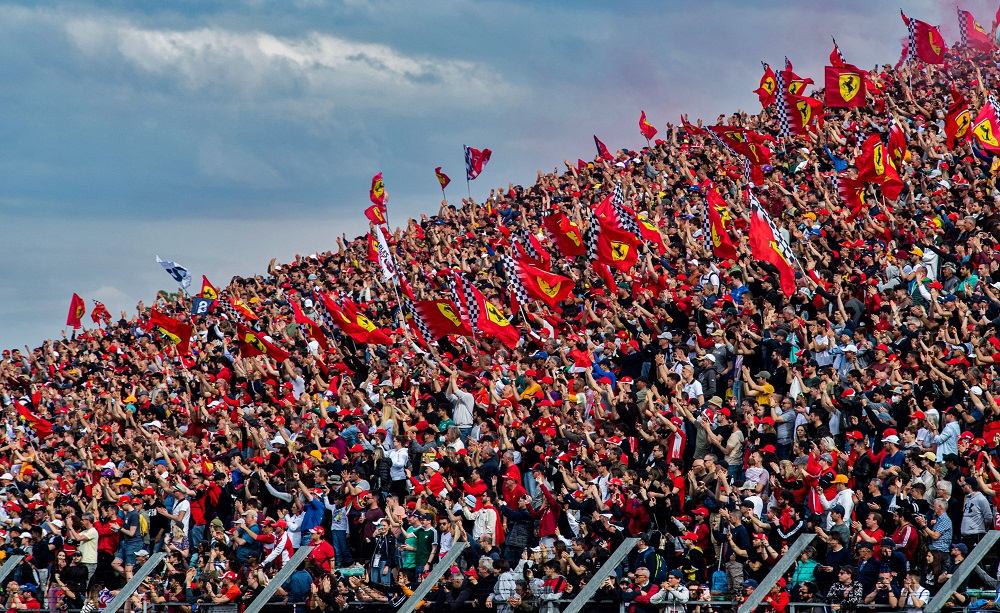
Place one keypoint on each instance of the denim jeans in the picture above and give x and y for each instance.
(376, 575)
(196, 536)
(341, 549)
(465, 434)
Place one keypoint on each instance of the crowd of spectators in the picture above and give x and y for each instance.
(692, 405)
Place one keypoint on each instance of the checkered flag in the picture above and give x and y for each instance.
(325, 317)
(516, 285)
(625, 218)
(409, 307)
(527, 245)
(591, 234)
(779, 239)
(232, 313)
(836, 49)
(780, 90)
(462, 297)
(471, 305)
(962, 28)
(911, 41)
(747, 171)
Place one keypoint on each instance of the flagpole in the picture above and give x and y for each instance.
(395, 282)
(468, 185)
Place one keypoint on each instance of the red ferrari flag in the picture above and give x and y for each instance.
(852, 192)
(177, 332)
(874, 167)
(41, 426)
(897, 146)
(538, 284)
(375, 214)
(442, 178)
(958, 120)
(77, 309)
(312, 328)
(986, 127)
(602, 150)
(377, 191)
(645, 127)
(100, 313)
(253, 343)
(609, 244)
(924, 41)
(767, 245)
(475, 159)
(747, 143)
(438, 319)
(794, 84)
(565, 234)
(972, 35)
(836, 57)
(845, 87)
(488, 319)
(208, 290)
(722, 245)
(768, 86)
(650, 232)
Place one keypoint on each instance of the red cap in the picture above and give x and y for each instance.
(318, 530)
(281, 524)
(768, 449)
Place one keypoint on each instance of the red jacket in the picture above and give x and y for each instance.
(550, 516)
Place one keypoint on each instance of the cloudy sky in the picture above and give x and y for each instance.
(221, 134)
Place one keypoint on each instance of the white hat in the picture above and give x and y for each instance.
(58, 523)
(156, 423)
(892, 438)
(709, 357)
(434, 466)
(110, 465)
(7, 476)
(852, 348)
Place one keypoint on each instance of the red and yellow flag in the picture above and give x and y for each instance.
(565, 234)
(77, 309)
(845, 87)
(442, 178)
(768, 85)
(41, 426)
(377, 191)
(208, 290)
(375, 214)
(616, 247)
(314, 330)
(254, 343)
(441, 318)
(722, 244)
(647, 129)
(958, 120)
(177, 332)
(874, 167)
(986, 127)
(548, 287)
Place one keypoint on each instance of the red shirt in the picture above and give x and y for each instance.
(322, 554)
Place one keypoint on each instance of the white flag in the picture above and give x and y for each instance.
(178, 272)
(385, 259)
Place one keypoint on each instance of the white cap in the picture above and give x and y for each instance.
(852, 348)
(434, 466)
(156, 423)
(7, 476)
(110, 465)
(892, 438)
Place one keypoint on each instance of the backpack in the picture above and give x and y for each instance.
(720, 582)
(659, 570)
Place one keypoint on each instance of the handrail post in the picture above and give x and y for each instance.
(432, 578)
(286, 571)
(137, 577)
(962, 572)
(9, 565)
(602, 573)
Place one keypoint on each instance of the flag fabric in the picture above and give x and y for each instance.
(41, 426)
(845, 87)
(386, 261)
(208, 290)
(178, 272)
(350, 321)
(442, 178)
(376, 214)
(532, 283)
(996, 22)
(972, 35)
(528, 244)
(986, 127)
(201, 306)
(312, 328)
(372, 254)
(897, 146)
(175, 331)
(767, 245)
(475, 159)
(924, 41)
(722, 244)
(742, 141)
(377, 191)
(566, 234)
(486, 318)
(254, 343)
(77, 309)
(436, 319)
(874, 167)
(836, 57)
(100, 313)
(645, 127)
(580, 165)
(851, 192)
(453, 280)
(608, 244)
(768, 86)
(651, 233)
(794, 84)
(625, 215)
(958, 120)
(602, 150)
(796, 113)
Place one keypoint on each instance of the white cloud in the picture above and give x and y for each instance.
(314, 73)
